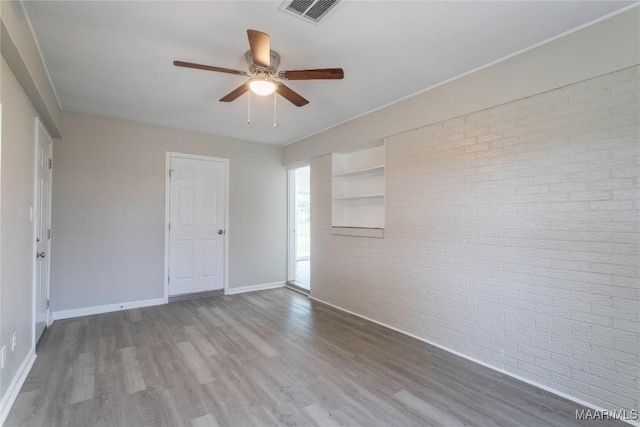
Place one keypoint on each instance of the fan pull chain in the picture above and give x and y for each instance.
(275, 118)
(249, 110)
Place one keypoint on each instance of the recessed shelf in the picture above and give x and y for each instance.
(358, 192)
(378, 168)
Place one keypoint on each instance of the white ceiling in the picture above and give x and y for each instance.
(114, 58)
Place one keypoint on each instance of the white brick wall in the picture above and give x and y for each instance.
(512, 236)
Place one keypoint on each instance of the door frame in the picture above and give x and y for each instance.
(167, 215)
(291, 219)
(34, 222)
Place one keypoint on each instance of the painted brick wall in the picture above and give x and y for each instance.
(512, 236)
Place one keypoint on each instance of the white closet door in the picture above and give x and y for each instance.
(196, 234)
(43, 231)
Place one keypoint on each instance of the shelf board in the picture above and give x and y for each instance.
(361, 196)
(358, 231)
(370, 169)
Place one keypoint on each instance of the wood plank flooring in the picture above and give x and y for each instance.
(265, 358)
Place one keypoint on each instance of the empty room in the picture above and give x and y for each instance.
(319, 213)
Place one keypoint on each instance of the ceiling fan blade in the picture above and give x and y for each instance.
(321, 74)
(259, 43)
(234, 94)
(291, 95)
(208, 68)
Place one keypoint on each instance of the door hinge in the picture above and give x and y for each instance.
(47, 304)
(170, 172)
(49, 233)
(50, 164)
(168, 279)
(169, 226)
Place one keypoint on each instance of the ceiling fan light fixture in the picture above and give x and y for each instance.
(262, 87)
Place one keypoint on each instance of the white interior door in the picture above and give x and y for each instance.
(196, 225)
(42, 230)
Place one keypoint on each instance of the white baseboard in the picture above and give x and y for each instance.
(108, 308)
(261, 287)
(16, 384)
(472, 359)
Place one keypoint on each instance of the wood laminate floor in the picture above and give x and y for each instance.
(263, 359)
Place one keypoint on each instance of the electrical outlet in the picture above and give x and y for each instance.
(14, 341)
(3, 355)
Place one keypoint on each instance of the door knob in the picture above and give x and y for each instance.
(40, 254)
(220, 231)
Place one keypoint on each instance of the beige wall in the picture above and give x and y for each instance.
(607, 46)
(16, 242)
(25, 93)
(108, 209)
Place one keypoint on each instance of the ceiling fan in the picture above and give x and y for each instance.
(264, 77)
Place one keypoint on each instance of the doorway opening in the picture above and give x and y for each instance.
(300, 228)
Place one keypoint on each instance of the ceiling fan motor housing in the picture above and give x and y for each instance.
(272, 69)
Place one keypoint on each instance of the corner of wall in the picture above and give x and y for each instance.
(21, 51)
(605, 46)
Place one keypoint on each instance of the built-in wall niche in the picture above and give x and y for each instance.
(358, 192)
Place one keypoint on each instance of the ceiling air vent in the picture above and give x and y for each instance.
(309, 10)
